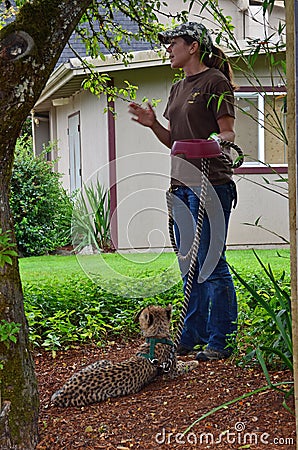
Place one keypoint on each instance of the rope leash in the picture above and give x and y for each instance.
(193, 252)
(239, 161)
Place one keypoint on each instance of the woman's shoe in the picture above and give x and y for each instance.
(184, 351)
(211, 355)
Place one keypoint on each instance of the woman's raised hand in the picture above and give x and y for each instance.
(144, 116)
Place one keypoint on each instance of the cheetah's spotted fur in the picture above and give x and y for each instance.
(105, 379)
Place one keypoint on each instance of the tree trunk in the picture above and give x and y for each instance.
(29, 50)
(292, 170)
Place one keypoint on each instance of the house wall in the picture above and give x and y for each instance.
(142, 170)
(142, 211)
(143, 173)
(142, 162)
(259, 197)
(247, 19)
(93, 134)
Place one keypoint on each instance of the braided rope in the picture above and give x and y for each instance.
(195, 249)
(193, 252)
(239, 161)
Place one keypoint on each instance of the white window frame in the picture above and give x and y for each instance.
(261, 128)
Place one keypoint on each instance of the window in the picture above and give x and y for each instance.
(260, 124)
(275, 146)
(254, 23)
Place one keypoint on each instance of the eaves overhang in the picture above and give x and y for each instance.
(67, 79)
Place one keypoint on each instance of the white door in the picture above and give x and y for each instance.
(74, 142)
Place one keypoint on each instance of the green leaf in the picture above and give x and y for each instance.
(263, 365)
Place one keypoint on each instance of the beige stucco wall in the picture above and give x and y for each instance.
(93, 131)
(142, 166)
(258, 198)
(143, 173)
(142, 169)
(142, 212)
(248, 23)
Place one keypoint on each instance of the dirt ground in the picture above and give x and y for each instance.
(156, 417)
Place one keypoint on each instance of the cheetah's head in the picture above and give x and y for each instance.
(155, 321)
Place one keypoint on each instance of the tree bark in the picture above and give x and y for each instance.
(29, 49)
(292, 170)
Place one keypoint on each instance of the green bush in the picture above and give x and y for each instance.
(7, 248)
(79, 311)
(74, 309)
(91, 218)
(265, 325)
(40, 206)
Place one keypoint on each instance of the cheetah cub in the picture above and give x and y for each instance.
(105, 379)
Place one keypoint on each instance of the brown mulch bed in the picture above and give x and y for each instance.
(155, 417)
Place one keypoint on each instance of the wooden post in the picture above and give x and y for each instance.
(292, 73)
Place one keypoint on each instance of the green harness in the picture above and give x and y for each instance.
(151, 355)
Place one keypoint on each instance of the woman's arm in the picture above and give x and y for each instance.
(226, 128)
(147, 118)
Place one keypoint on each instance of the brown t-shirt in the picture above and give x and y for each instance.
(194, 105)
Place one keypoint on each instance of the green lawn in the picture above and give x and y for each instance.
(245, 260)
(65, 304)
(140, 265)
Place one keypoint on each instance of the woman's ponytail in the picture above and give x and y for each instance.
(216, 58)
(219, 60)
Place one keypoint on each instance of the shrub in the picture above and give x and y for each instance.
(79, 311)
(7, 248)
(41, 208)
(265, 325)
(75, 309)
(91, 218)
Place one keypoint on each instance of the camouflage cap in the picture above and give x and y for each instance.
(192, 29)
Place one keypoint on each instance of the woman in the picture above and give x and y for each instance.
(200, 105)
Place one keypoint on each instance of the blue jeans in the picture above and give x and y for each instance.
(212, 310)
